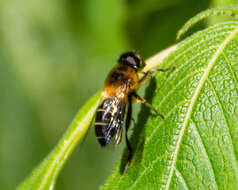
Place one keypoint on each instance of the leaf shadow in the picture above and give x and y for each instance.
(137, 138)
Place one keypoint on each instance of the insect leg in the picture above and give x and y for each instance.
(128, 121)
(167, 69)
(143, 101)
(144, 78)
(148, 73)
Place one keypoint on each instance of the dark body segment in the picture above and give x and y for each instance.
(109, 120)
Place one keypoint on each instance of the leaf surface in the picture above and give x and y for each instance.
(196, 147)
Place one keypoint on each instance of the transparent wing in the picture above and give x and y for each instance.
(114, 128)
(118, 109)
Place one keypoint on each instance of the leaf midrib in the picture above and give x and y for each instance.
(193, 100)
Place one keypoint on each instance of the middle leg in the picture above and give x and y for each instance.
(143, 101)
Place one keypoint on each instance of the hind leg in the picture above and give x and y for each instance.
(128, 121)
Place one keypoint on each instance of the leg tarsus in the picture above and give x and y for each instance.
(167, 69)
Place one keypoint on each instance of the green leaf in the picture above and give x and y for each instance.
(228, 11)
(196, 147)
(44, 176)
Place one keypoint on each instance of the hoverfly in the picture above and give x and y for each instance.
(119, 90)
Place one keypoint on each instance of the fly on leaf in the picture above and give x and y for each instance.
(119, 90)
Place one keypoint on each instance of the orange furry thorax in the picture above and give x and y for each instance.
(121, 81)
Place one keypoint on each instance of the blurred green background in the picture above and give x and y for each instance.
(54, 55)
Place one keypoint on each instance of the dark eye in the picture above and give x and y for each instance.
(131, 59)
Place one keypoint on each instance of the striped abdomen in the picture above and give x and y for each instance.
(109, 120)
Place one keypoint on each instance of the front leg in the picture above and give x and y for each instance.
(148, 73)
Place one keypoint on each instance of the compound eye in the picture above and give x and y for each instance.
(133, 61)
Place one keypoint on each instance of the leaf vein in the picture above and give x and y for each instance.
(190, 108)
(183, 65)
(226, 120)
(194, 98)
(205, 150)
(169, 113)
(177, 85)
(182, 179)
(151, 135)
(230, 67)
(196, 44)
